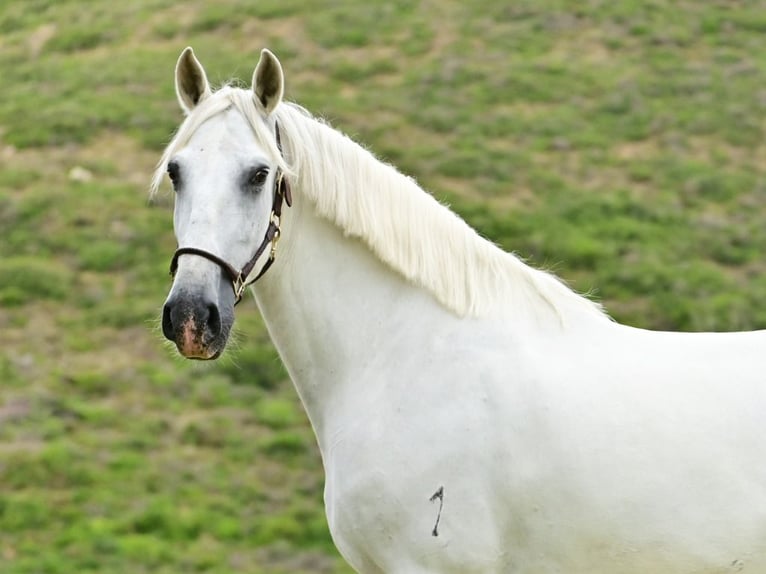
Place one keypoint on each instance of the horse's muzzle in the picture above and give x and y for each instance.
(195, 326)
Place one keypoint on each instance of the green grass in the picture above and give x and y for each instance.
(620, 144)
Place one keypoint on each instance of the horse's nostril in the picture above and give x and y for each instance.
(213, 319)
(167, 323)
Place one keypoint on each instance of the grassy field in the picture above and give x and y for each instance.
(618, 143)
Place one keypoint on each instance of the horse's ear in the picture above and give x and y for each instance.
(191, 81)
(268, 82)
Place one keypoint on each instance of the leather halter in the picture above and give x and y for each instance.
(239, 278)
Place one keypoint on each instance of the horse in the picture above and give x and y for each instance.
(473, 413)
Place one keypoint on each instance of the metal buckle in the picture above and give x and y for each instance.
(274, 242)
(239, 286)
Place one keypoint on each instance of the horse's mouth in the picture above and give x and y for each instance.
(206, 355)
(212, 357)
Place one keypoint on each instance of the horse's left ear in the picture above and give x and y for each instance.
(268, 82)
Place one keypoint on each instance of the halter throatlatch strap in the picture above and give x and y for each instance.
(239, 279)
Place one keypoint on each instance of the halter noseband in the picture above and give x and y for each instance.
(239, 278)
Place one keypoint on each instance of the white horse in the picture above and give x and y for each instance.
(473, 414)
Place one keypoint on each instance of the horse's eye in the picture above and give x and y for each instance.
(174, 173)
(257, 177)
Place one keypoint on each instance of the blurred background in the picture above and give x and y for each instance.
(620, 144)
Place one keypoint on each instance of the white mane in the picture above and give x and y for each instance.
(400, 223)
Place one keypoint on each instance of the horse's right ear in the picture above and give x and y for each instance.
(191, 81)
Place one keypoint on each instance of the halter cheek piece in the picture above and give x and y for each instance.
(239, 278)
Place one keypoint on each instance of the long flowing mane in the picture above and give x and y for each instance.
(401, 224)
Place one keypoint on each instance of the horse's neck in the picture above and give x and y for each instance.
(331, 307)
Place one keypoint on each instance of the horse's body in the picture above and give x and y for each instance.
(473, 414)
(598, 448)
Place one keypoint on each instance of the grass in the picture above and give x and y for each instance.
(620, 144)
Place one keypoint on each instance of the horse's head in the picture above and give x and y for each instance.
(226, 176)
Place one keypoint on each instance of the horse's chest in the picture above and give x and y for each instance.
(403, 490)
(403, 522)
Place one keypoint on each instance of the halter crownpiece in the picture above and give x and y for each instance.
(238, 279)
